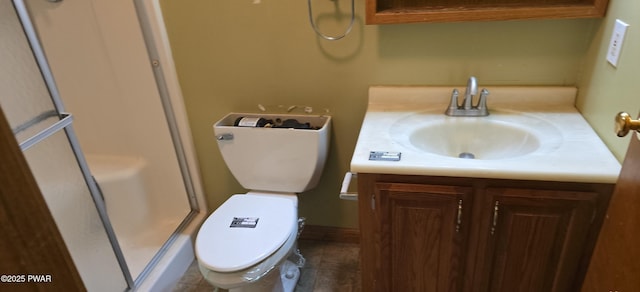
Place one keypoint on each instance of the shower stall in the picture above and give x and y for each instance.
(130, 202)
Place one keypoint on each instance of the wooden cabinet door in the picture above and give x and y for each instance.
(535, 239)
(615, 265)
(423, 236)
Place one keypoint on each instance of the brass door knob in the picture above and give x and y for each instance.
(624, 124)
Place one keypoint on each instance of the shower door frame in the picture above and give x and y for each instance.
(152, 27)
(31, 221)
(66, 124)
(149, 17)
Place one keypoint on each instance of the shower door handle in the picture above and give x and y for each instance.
(66, 120)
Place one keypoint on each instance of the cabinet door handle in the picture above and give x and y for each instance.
(496, 208)
(459, 221)
(373, 202)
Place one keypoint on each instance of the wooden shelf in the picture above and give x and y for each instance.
(412, 11)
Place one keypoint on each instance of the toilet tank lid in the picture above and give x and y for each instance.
(243, 231)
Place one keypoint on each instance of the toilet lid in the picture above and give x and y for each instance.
(245, 230)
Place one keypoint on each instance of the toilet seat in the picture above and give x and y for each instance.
(261, 226)
(231, 280)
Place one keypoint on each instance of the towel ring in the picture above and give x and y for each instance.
(327, 37)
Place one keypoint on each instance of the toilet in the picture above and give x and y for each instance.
(250, 242)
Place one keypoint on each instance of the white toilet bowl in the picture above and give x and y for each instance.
(244, 244)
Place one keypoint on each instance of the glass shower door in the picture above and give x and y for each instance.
(29, 98)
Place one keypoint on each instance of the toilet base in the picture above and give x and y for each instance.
(282, 280)
(289, 275)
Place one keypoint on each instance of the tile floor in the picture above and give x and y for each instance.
(330, 266)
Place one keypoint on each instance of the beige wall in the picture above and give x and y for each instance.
(232, 55)
(606, 90)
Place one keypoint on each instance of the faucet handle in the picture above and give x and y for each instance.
(482, 102)
(453, 104)
(454, 98)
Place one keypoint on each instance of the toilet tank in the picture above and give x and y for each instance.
(275, 159)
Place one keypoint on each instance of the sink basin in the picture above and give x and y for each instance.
(501, 135)
(479, 139)
(531, 133)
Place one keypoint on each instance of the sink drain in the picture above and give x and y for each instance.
(466, 155)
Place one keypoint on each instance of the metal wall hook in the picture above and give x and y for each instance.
(327, 37)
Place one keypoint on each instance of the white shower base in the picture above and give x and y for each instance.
(141, 225)
(138, 250)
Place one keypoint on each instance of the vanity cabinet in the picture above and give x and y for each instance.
(407, 11)
(422, 233)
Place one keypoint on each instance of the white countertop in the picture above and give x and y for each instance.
(580, 156)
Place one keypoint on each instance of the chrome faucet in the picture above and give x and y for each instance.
(470, 92)
(468, 109)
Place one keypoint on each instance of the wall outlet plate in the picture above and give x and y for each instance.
(615, 45)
